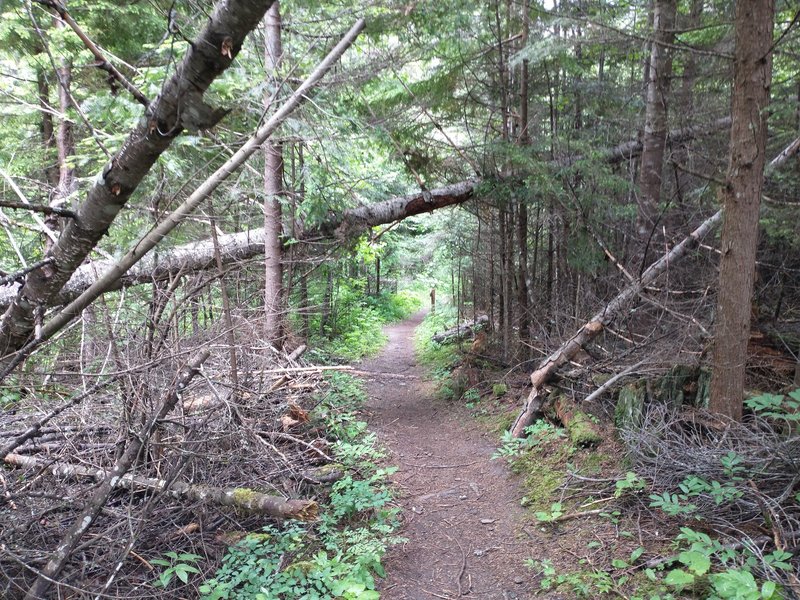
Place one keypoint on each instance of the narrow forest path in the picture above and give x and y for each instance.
(461, 511)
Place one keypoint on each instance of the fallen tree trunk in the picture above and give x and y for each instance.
(532, 406)
(582, 430)
(244, 499)
(160, 231)
(461, 331)
(198, 256)
(633, 148)
(236, 247)
(355, 220)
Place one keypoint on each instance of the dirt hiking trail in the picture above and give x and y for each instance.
(461, 511)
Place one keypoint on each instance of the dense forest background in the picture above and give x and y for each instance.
(563, 148)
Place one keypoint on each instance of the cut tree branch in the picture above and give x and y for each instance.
(35, 430)
(245, 499)
(41, 208)
(110, 480)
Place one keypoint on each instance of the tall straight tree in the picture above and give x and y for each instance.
(523, 139)
(741, 200)
(273, 186)
(657, 74)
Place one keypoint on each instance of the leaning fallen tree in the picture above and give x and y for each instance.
(199, 256)
(179, 106)
(235, 247)
(244, 499)
(14, 348)
(534, 403)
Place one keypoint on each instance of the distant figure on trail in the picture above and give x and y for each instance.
(433, 300)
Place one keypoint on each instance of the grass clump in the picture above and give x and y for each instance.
(438, 359)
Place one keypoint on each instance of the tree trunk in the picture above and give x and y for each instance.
(523, 139)
(377, 275)
(274, 305)
(150, 240)
(548, 367)
(65, 147)
(741, 199)
(244, 499)
(503, 275)
(230, 332)
(654, 140)
(46, 127)
(248, 244)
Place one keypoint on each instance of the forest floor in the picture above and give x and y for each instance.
(467, 534)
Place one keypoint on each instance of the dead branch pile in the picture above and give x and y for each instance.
(760, 463)
(750, 473)
(221, 461)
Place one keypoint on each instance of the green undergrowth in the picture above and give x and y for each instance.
(354, 329)
(438, 359)
(339, 555)
(691, 561)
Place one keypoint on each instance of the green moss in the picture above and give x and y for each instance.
(497, 423)
(543, 469)
(499, 389)
(582, 431)
(593, 462)
(630, 404)
(243, 496)
(703, 388)
(601, 378)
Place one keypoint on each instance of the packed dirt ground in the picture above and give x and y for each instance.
(467, 533)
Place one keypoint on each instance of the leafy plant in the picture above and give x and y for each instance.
(535, 434)
(176, 565)
(339, 556)
(588, 583)
(776, 406)
(630, 484)
(556, 511)
(672, 504)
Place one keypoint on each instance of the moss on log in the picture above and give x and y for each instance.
(583, 431)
